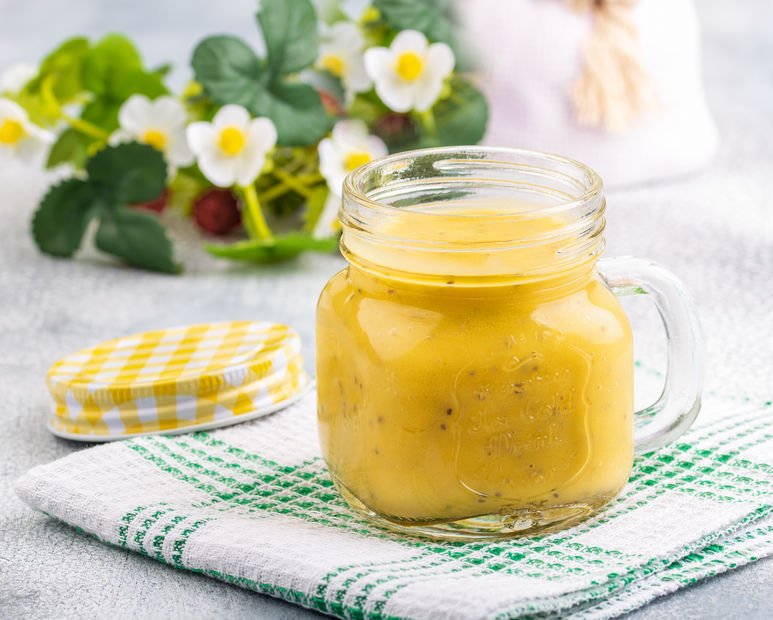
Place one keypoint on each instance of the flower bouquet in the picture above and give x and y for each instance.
(255, 147)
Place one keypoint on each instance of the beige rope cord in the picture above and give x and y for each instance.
(614, 90)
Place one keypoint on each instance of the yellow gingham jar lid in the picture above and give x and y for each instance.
(176, 380)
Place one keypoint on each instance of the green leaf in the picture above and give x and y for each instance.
(138, 238)
(108, 63)
(71, 147)
(62, 69)
(432, 17)
(61, 219)
(128, 173)
(102, 112)
(315, 205)
(462, 118)
(184, 189)
(231, 73)
(275, 250)
(113, 70)
(140, 82)
(297, 112)
(290, 31)
(228, 69)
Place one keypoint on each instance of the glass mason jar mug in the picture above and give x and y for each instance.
(474, 365)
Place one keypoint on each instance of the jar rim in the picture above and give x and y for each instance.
(354, 182)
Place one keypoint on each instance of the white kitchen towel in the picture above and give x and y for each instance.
(253, 505)
(530, 54)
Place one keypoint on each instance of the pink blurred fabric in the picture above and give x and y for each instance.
(529, 52)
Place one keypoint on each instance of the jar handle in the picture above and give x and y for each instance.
(679, 402)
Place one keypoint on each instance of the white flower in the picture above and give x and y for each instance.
(231, 150)
(409, 75)
(349, 147)
(18, 136)
(16, 77)
(327, 225)
(159, 123)
(341, 53)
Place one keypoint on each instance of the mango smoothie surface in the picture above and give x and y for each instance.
(477, 373)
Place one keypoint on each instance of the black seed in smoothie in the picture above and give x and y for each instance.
(376, 451)
(450, 282)
(391, 291)
(442, 427)
(556, 495)
(517, 388)
(449, 411)
(471, 373)
(380, 419)
(497, 494)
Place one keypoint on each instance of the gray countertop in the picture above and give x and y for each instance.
(715, 230)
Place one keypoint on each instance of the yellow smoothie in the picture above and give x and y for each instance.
(454, 384)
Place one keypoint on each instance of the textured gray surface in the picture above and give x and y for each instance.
(714, 230)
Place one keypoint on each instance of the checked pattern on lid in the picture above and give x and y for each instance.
(173, 379)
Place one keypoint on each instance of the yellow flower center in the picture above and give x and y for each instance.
(334, 63)
(11, 131)
(155, 138)
(410, 66)
(232, 141)
(355, 159)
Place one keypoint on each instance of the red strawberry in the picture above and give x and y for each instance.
(157, 205)
(216, 211)
(332, 106)
(394, 126)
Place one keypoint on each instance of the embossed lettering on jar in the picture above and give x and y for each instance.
(475, 372)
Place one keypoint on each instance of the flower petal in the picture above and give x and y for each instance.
(346, 36)
(29, 150)
(396, 94)
(135, 115)
(376, 147)
(262, 132)
(331, 164)
(230, 115)
(440, 60)
(11, 109)
(328, 219)
(168, 113)
(38, 133)
(218, 169)
(178, 152)
(356, 79)
(16, 77)
(248, 166)
(426, 93)
(349, 134)
(353, 9)
(119, 136)
(409, 41)
(201, 137)
(378, 63)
